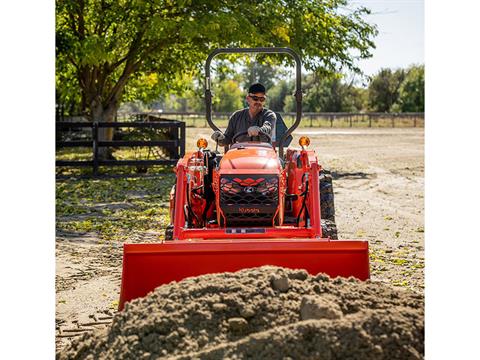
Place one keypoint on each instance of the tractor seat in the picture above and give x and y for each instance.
(280, 128)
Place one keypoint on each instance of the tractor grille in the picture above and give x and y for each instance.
(249, 198)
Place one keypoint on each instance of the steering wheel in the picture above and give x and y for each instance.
(260, 134)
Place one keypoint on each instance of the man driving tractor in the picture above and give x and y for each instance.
(254, 121)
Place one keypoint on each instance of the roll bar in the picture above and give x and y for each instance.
(262, 50)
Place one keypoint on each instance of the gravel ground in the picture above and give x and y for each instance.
(378, 185)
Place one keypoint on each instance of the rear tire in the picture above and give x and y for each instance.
(329, 229)
(169, 232)
(327, 204)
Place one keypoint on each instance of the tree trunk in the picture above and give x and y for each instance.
(104, 114)
(106, 110)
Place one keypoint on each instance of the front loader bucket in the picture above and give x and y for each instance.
(147, 266)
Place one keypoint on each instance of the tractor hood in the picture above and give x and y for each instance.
(251, 158)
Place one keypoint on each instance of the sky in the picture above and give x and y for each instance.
(400, 39)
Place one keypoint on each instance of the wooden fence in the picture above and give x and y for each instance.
(326, 119)
(174, 144)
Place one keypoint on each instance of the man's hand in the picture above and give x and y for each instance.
(218, 137)
(253, 131)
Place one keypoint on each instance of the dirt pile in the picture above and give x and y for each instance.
(267, 312)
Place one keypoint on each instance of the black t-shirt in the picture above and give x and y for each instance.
(240, 122)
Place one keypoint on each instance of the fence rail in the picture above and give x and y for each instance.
(309, 119)
(175, 146)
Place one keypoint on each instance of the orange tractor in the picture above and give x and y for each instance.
(253, 206)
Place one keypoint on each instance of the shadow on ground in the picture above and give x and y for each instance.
(351, 175)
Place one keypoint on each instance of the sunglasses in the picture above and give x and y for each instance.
(257, 98)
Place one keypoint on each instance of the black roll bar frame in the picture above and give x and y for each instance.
(258, 50)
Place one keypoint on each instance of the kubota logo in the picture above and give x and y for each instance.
(249, 210)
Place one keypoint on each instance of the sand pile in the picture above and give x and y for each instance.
(267, 312)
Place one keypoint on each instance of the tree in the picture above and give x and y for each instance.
(412, 91)
(258, 72)
(106, 47)
(229, 96)
(383, 90)
(329, 94)
(279, 93)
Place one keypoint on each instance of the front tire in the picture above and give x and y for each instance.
(329, 229)
(169, 232)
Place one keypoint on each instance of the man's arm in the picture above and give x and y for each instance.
(269, 120)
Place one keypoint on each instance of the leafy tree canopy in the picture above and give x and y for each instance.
(258, 72)
(279, 93)
(331, 94)
(383, 90)
(335, 93)
(411, 96)
(111, 50)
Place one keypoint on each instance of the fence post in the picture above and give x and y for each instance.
(369, 121)
(415, 121)
(393, 121)
(182, 140)
(331, 121)
(311, 120)
(95, 147)
(350, 117)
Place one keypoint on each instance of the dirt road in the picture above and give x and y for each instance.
(379, 195)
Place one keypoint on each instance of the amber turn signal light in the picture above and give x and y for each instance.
(304, 141)
(202, 143)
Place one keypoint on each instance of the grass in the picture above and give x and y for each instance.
(124, 153)
(136, 153)
(115, 209)
(381, 261)
(74, 154)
